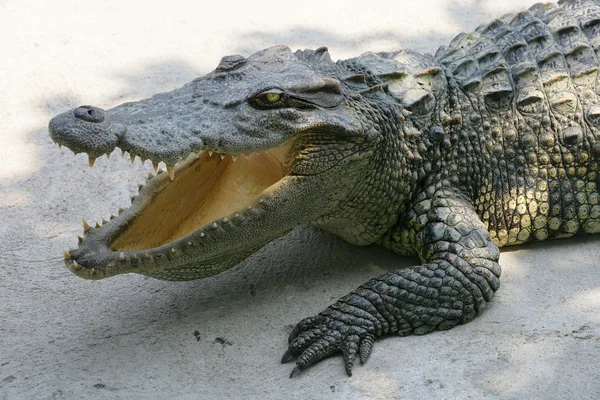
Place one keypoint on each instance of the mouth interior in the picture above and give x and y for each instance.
(204, 190)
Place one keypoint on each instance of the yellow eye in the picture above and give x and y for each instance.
(273, 97)
(269, 98)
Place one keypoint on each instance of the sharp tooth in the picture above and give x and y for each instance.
(97, 225)
(59, 146)
(150, 175)
(104, 221)
(122, 153)
(132, 158)
(147, 256)
(155, 165)
(234, 157)
(86, 226)
(140, 186)
(122, 256)
(91, 161)
(173, 251)
(79, 239)
(76, 266)
(112, 217)
(108, 156)
(135, 257)
(121, 210)
(67, 255)
(210, 153)
(94, 271)
(171, 171)
(223, 156)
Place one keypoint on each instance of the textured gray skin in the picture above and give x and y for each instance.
(498, 147)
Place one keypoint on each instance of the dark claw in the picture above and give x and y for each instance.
(287, 357)
(295, 371)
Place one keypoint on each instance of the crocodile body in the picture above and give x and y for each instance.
(493, 141)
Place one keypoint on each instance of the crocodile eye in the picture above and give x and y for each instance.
(272, 97)
(268, 98)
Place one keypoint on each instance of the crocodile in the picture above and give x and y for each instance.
(492, 141)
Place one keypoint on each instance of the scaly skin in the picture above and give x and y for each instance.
(491, 142)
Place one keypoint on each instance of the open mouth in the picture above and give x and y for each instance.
(205, 189)
(196, 204)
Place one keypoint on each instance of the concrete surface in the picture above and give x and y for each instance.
(132, 337)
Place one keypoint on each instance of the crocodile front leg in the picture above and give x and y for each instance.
(459, 275)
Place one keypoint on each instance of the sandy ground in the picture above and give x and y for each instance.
(134, 337)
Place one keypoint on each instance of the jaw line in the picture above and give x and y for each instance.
(215, 245)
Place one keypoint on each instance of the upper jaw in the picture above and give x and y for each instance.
(150, 130)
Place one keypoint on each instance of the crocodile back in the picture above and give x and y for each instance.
(526, 86)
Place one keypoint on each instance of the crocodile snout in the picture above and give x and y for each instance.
(86, 129)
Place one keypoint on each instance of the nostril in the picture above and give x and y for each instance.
(89, 113)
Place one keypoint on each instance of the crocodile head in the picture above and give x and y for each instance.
(256, 147)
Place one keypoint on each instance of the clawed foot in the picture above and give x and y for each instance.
(317, 337)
